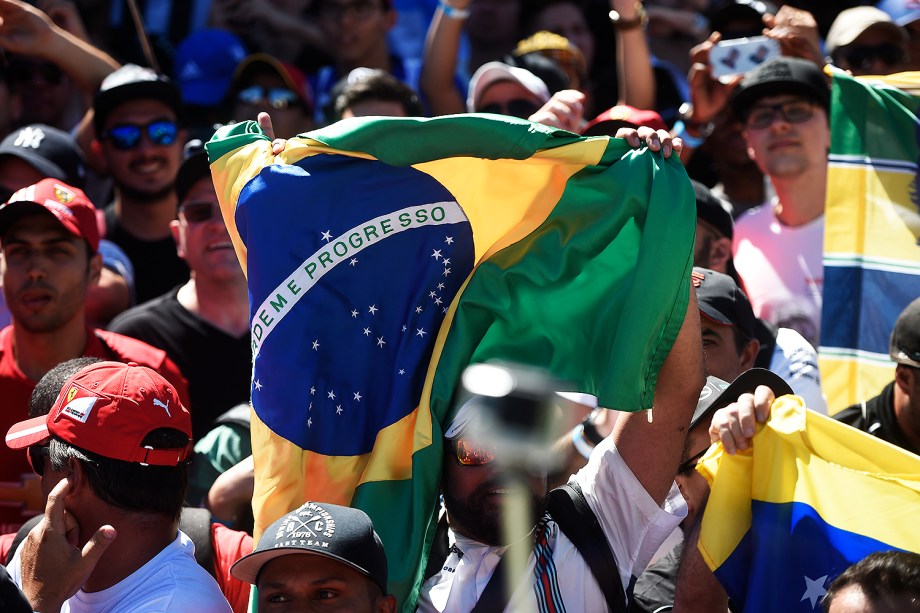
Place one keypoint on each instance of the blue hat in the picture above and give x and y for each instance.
(205, 64)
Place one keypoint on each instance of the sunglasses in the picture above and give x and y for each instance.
(864, 57)
(37, 455)
(127, 136)
(360, 11)
(794, 111)
(26, 72)
(521, 108)
(688, 466)
(471, 454)
(276, 97)
(199, 212)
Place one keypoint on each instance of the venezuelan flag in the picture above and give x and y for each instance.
(385, 255)
(872, 223)
(809, 498)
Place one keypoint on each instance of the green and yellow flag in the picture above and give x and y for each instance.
(386, 255)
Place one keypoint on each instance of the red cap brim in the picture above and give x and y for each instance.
(27, 433)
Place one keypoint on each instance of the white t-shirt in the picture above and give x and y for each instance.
(634, 525)
(171, 582)
(796, 361)
(782, 269)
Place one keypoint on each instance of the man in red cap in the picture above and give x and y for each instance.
(49, 240)
(120, 437)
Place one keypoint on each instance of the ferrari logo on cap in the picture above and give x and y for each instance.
(63, 195)
(71, 393)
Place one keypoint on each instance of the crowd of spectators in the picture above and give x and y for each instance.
(114, 247)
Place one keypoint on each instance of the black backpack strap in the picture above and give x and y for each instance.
(196, 523)
(22, 534)
(440, 547)
(569, 508)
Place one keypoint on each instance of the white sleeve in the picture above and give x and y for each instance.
(15, 568)
(796, 361)
(634, 525)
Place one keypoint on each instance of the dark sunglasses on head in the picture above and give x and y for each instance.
(689, 465)
(794, 111)
(126, 136)
(517, 107)
(198, 212)
(864, 56)
(37, 455)
(26, 72)
(469, 453)
(276, 97)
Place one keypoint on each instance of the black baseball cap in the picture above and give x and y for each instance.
(323, 529)
(711, 210)
(905, 338)
(132, 82)
(781, 75)
(48, 150)
(718, 393)
(722, 301)
(195, 166)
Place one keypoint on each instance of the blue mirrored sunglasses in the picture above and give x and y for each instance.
(127, 136)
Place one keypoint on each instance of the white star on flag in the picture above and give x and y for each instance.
(331, 395)
(309, 422)
(310, 408)
(372, 309)
(438, 301)
(327, 236)
(432, 294)
(446, 261)
(449, 240)
(338, 409)
(404, 328)
(358, 396)
(367, 331)
(436, 254)
(440, 286)
(352, 261)
(381, 342)
(418, 309)
(446, 271)
(316, 345)
(814, 590)
(402, 371)
(420, 332)
(312, 391)
(257, 385)
(354, 313)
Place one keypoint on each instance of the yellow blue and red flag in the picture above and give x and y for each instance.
(808, 498)
(385, 255)
(872, 224)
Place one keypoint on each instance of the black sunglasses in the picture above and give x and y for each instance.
(37, 455)
(863, 56)
(689, 465)
(198, 212)
(127, 136)
(521, 108)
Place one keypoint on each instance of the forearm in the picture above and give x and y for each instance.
(85, 64)
(440, 63)
(635, 77)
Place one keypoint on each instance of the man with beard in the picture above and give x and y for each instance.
(628, 485)
(50, 240)
(139, 141)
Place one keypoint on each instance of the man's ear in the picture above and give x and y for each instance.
(720, 252)
(95, 268)
(749, 354)
(904, 378)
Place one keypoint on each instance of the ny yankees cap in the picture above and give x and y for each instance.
(107, 408)
(48, 150)
(318, 528)
(69, 205)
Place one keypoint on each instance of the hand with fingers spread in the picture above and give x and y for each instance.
(735, 424)
(656, 140)
(54, 568)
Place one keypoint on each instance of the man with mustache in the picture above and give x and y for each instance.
(139, 141)
(49, 240)
(202, 325)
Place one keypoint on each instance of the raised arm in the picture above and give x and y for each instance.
(442, 46)
(635, 77)
(652, 447)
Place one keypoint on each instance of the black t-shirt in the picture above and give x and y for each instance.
(157, 266)
(218, 366)
(876, 416)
